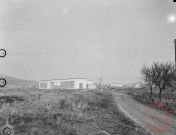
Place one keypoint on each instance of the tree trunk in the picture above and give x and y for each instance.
(151, 93)
(160, 95)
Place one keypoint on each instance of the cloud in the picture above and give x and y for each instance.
(89, 2)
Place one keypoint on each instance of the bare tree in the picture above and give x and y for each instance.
(148, 76)
(165, 76)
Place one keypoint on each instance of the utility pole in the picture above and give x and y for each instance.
(100, 82)
(175, 51)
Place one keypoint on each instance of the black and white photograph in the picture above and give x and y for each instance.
(87, 67)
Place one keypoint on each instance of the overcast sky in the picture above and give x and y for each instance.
(50, 39)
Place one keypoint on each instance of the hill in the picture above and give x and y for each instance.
(13, 82)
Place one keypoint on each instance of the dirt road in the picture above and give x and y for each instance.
(135, 110)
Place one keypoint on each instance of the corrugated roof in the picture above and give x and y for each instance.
(61, 79)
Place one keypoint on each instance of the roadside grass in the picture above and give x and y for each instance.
(67, 113)
(143, 97)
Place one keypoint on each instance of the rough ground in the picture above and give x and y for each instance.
(135, 111)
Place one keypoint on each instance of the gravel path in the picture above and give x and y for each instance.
(134, 110)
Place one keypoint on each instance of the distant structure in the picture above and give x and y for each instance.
(115, 85)
(137, 85)
(71, 83)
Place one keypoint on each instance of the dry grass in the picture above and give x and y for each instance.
(66, 113)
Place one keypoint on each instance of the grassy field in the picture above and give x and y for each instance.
(64, 112)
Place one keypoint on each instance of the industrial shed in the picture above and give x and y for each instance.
(72, 83)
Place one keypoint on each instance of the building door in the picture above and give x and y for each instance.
(80, 86)
(51, 85)
(68, 84)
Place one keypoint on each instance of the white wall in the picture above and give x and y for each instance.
(89, 82)
(78, 81)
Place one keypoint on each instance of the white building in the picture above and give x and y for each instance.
(72, 83)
